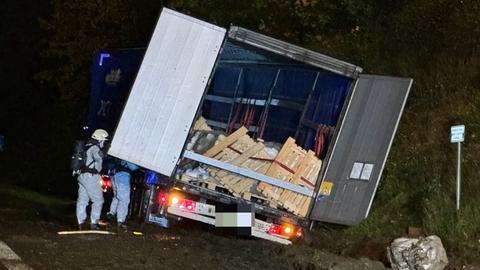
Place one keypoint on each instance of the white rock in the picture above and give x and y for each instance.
(417, 254)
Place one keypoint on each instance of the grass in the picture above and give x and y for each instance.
(35, 205)
(32, 196)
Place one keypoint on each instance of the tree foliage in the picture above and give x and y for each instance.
(76, 29)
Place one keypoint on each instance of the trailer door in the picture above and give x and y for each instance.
(360, 150)
(167, 92)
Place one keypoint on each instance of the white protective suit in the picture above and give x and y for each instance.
(121, 191)
(90, 187)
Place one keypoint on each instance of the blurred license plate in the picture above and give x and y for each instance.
(159, 220)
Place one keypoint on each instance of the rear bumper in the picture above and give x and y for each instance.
(275, 214)
(240, 221)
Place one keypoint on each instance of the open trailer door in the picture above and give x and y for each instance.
(167, 91)
(360, 150)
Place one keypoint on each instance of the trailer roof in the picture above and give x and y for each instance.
(294, 52)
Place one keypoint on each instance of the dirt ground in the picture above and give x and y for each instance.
(31, 231)
(37, 243)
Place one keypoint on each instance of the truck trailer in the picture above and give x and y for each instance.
(207, 101)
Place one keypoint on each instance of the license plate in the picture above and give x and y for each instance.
(161, 221)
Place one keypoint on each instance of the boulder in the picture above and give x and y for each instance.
(417, 254)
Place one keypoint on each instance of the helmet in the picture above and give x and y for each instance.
(100, 135)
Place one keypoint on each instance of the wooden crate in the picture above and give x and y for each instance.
(297, 166)
(292, 164)
(240, 150)
(201, 124)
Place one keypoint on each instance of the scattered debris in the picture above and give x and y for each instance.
(163, 237)
(418, 254)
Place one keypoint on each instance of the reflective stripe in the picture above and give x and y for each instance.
(180, 213)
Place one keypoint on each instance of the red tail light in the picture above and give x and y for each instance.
(163, 198)
(275, 229)
(106, 182)
(285, 230)
(188, 205)
(176, 200)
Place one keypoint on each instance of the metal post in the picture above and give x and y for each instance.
(458, 174)
(305, 108)
(269, 100)
(312, 224)
(457, 135)
(230, 114)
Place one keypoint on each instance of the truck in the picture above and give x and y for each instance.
(198, 81)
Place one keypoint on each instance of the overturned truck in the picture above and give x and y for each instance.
(257, 134)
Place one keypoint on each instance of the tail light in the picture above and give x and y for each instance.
(286, 230)
(189, 205)
(106, 182)
(163, 198)
(174, 199)
(299, 233)
(275, 229)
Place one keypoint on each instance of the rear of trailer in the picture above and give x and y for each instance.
(195, 71)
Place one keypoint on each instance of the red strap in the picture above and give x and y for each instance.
(235, 150)
(283, 166)
(307, 182)
(293, 172)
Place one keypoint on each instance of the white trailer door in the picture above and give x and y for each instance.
(167, 91)
(361, 148)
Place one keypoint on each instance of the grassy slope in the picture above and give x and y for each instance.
(436, 43)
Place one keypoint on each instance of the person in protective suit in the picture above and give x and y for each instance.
(89, 181)
(121, 193)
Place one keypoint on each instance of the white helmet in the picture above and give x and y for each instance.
(100, 135)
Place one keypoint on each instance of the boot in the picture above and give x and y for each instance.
(122, 226)
(95, 227)
(110, 217)
(81, 226)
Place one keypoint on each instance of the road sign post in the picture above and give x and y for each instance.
(459, 157)
(458, 136)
